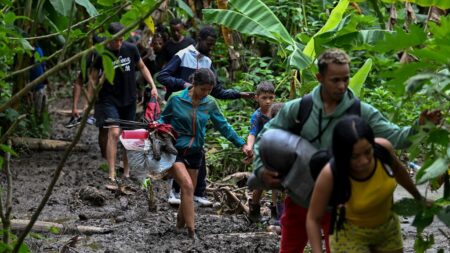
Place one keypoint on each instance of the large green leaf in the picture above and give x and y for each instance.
(236, 21)
(297, 59)
(335, 18)
(439, 167)
(90, 9)
(401, 39)
(108, 68)
(444, 215)
(357, 81)
(185, 8)
(62, 6)
(260, 13)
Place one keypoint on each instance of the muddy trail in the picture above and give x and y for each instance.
(132, 227)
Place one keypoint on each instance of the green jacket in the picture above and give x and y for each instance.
(286, 117)
(190, 123)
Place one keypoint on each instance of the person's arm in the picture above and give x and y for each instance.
(398, 136)
(76, 95)
(148, 77)
(321, 195)
(220, 93)
(253, 130)
(400, 172)
(251, 141)
(167, 75)
(227, 131)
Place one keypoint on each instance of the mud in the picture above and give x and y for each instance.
(135, 229)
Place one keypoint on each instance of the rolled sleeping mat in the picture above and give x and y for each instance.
(289, 155)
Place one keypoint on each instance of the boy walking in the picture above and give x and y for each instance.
(265, 96)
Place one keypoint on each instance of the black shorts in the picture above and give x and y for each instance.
(107, 110)
(192, 160)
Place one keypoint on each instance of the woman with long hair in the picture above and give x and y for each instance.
(188, 111)
(359, 183)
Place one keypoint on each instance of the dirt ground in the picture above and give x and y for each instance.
(134, 228)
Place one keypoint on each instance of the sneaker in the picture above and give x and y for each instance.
(91, 120)
(174, 198)
(202, 201)
(73, 122)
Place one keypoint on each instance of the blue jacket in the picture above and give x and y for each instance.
(190, 123)
(178, 70)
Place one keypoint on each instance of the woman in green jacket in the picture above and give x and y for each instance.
(188, 111)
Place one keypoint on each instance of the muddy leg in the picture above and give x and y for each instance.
(111, 151)
(186, 210)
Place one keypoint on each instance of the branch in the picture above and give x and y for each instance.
(71, 43)
(8, 204)
(76, 57)
(77, 137)
(65, 30)
(57, 173)
(11, 128)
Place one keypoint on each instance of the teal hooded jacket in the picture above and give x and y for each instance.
(190, 123)
(287, 116)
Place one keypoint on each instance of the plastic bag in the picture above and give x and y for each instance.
(140, 158)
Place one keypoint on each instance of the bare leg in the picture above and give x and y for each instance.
(102, 140)
(111, 151)
(186, 210)
(126, 167)
(256, 196)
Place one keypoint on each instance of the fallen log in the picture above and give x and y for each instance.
(63, 112)
(57, 228)
(232, 196)
(249, 235)
(45, 144)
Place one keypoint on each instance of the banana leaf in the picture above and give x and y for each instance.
(62, 6)
(335, 18)
(90, 9)
(297, 59)
(357, 81)
(260, 13)
(238, 22)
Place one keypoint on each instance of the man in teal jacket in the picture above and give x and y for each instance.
(331, 99)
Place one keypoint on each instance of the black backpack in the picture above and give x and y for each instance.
(306, 105)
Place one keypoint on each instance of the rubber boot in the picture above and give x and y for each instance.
(255, 213)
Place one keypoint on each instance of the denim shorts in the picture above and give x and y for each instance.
(107, 110)
(191, 159)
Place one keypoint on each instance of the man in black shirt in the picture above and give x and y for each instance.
(177, 40)
(118, 100)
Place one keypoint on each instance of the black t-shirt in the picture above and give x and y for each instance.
(123, 92)
(171, 48)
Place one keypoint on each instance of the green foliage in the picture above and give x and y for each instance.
(422, 244)
(406, 207)
(334, 19)
(255, 18)
(185, 8)
(5, 247)
(357, 81)
(62, 6)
